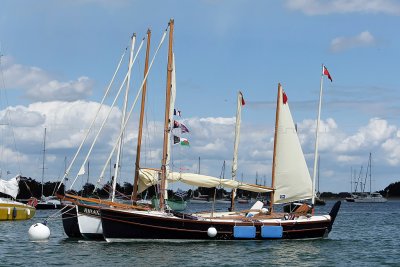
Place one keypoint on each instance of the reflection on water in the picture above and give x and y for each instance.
(363, 235)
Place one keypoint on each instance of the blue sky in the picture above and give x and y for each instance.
(58, 56)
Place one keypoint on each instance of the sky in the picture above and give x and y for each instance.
(58, 58)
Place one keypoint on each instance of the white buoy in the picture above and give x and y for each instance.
(212, 232)
(39, 232)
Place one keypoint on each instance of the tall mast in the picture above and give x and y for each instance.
(166, 120)
(141, 118)
(278, 106)
(44, 156)
(370, 173)
(316, 137)
(117, 164)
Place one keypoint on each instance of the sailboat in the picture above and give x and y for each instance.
(82, 217)
(50, 202)
(291, 181)
(367, 197)
(11, 210)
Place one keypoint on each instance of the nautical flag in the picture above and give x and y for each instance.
(243, 103)
(326, 72)
(177, 139)
(184, 129)
(180, 140)
(184, 142)
(285, 98)
(176, 124)
(177, 112)
(81, 170)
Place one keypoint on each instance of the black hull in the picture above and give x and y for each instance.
(47, 206)
(127, 225)
(70, 222)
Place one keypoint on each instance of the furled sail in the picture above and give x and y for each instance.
(10, 187)
(292, 178)
(149, 177)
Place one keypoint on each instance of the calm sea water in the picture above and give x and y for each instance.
(363, 235)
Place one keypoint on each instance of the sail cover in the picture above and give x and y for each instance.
(10, 187)
(292, 178)
(149, 177)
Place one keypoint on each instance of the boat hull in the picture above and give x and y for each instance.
(89, 221)
(131, 225)
(47, 206)
(70, 222)
(16, 212)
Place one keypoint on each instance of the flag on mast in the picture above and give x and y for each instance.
(326, 72)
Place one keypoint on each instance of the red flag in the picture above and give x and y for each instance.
(326, 72)
(243, 103)
(284, 98)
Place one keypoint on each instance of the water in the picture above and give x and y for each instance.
(363, 235)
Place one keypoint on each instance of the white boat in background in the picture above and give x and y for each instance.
(11, 210)
(367, 197)
(200, 199)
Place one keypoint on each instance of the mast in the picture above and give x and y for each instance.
(117, 164)
(141, 118)
(44, 156)
(370, 174)
(166, 120)
(316, 137)
(236, 145)
(278, 105)
(319, 159)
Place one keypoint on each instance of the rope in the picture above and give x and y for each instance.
(103, 123)
(133, 105)
(92, 124)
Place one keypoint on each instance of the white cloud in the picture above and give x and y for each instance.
(323, 7)
(39, 85)
(376, 132)
(392, 149)
(344, 43)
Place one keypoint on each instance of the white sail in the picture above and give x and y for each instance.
(237, 134)
(292, 178)
(149, 177)
(10, 187)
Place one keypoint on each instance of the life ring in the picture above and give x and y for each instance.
(32, 202)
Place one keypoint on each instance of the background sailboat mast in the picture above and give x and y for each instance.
(44, 158)
(141, 118)
(278, 105)
(166, 120)
(370, 174)
(316, 137)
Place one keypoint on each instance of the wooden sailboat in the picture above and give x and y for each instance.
(83, 213)
(257, 223)
(10, 209)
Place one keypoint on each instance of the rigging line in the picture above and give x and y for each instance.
(92, 124)
(134, 103)
(108, 115)
(7, 114)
